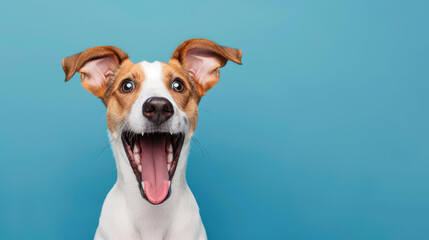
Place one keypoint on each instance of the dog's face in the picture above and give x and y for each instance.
(152, 107)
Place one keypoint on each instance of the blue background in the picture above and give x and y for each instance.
(322, 133)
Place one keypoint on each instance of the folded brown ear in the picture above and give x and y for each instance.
(95, 65)
(69, 65)
(202, 58)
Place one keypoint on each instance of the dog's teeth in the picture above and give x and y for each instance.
(170, 148)
(168, 167)
(137, 158)
(136, 148)
(140, 168)
(170, 158)
(143, 185)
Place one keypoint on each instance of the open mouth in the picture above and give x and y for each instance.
(153, 158)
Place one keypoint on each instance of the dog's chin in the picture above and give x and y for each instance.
(153, 158)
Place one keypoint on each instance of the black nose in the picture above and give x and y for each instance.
(158, 109)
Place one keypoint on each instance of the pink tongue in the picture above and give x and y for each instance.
(154, 168)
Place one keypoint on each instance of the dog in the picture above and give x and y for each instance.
(152, 113)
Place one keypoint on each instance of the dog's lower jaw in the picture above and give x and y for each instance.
(127, 215)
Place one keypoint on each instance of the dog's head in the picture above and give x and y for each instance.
(152, 107)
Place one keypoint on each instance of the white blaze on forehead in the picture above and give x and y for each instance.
(153, 84)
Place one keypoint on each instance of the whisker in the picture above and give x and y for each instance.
(205, 110)
(202, 149)
(120, 127)
(104, 149)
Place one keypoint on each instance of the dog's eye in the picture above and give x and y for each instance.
(177, 85)
(127, 86)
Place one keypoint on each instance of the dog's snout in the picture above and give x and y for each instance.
(158, 109)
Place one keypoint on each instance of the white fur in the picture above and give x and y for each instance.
(125, 214)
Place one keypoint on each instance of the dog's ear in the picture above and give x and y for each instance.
(95, 65)
(201, 59)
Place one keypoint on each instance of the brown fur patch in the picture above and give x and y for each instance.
(187, 100)
(118, 103)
